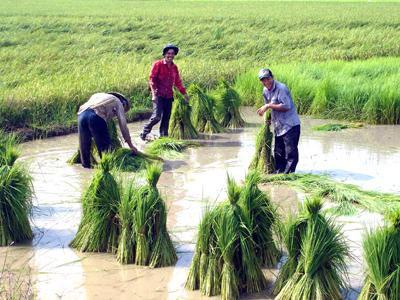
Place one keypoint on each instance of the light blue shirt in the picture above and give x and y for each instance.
(282, 121)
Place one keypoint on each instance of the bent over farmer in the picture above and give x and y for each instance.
(285, 120)
(164, 75)
(92, 123)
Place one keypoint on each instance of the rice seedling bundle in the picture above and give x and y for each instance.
(15, 194)
(263, 159)
(168, 147)
(203, 111)
(153, 243)
(262, 220)
(382, 257)
(228, 103)
(180, 124)
(336, 126)
(121, 158)
(225, 260)
(317, 252)
(99, 228)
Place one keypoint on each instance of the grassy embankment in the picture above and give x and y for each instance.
(55, 54)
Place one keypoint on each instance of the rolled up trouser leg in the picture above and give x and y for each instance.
(291, 140)
(155, 117)
(85, 138)
(99, 130)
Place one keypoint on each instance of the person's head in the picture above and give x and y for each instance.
(266, 77)
(169, 52)
(125, 102)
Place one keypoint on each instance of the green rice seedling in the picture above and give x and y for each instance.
(382, 257)
(15, 204)
(316, 266)
(99, 227)
(228, 103)
(203, 111)
(262, 220)
(263, 160)
(348, 197)
(9, 151)
(225, 260)
(153, 244)
(126, 211)
(198, 268)
(15, 194)
(336, 126)
(169, 147)
(125, 160)
(180, 124)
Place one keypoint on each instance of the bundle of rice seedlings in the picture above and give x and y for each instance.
(115, 143)
(125, 160)
(336, 126)
(126, 212)
(203, 111)
(153, 243)
(262, 220)
(263, 159)
(99, 227)
(15, 194)
(168, 147)
(317, 253)
(228, 104)
(225, 260)
(382, 255)
(180, 124)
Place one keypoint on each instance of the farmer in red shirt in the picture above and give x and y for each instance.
(164, 75)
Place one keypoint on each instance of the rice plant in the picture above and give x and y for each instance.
(122, 159)
(15, 194)
(317, 253)
(153, 243)
(180, 124)
(126, 212)
(225, 260)
(336, 126)
(263, 160)
(99, 228)
(347, 197)
(228, 103)
(168, 147)
(203, 114)
(382, 257)
(262, 219)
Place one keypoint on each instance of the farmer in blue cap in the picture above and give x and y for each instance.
(164, 75)
(285, 120)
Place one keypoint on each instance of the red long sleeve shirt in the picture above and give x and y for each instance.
(163, 77)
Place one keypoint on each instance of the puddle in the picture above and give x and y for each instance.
(366, 157)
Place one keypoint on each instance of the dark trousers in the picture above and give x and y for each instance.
(286, 151)
(91, 126)
(161, 111)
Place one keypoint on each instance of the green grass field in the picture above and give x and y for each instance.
(56, 53)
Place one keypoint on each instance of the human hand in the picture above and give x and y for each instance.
(261, 111)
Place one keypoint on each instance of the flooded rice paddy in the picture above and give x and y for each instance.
(368, 157)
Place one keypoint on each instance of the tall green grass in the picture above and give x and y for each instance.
(55, 53)
(357, 91)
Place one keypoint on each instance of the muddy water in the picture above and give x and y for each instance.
(366, 156)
